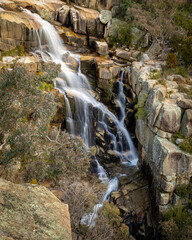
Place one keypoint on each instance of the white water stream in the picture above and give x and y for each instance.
(50, 46)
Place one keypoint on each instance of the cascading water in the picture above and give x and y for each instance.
(50, 46)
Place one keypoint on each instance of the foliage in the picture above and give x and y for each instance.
(124, 36)
(140, 107)
(108, 226)
(124, 5)
(186, 145)
(25, 113)
(183, 190)
(177, 224)
(46, 86)
(19, 50)
(171, 60)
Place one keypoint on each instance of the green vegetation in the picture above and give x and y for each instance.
(140, 107)
(18, 51)
(109, 225)
(123, 36)
(184, 190)
(186, 145)
(176, 224)
(172, 61)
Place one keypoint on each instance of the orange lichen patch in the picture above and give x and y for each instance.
(20, 17)
(68, 32)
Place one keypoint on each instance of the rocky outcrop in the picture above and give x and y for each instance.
(47, 9)
(162, 111)
(32, 212)
(98, 4)
(15, 30)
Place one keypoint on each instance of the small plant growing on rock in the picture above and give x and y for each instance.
(140, 107)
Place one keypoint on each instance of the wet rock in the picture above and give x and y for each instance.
(46, 9)
(70, 61)
(105, 16)
(71, 38)
(113, 155)
(32, 210)
(132, 196)
(88, 65)
(186, 124)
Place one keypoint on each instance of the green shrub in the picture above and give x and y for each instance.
(25, 113)
(183, 190)
(176, 224)
(186, 145)
(124, 5)
(140, 107)
(171, 60)
(123, 37)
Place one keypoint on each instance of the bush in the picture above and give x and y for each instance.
(109, 225)
(171, 60)
(123, 36)
(140, 107)
(177, 224)
(25, 114)
(183, 190)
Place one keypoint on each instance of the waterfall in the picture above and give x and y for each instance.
(77, 85)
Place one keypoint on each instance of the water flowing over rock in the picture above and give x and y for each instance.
(32, 211)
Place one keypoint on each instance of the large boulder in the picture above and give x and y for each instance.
(32, 212)
(86, 21)
(186, 124)
(169, 118)
(169, 160)
(15, 29)
(105, 16)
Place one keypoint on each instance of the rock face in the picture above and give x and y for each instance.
(98, 4)
(160, 116)
(15, 29)
(32, 212)
(47, 9)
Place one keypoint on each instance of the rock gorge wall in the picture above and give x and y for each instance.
(166, 111)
